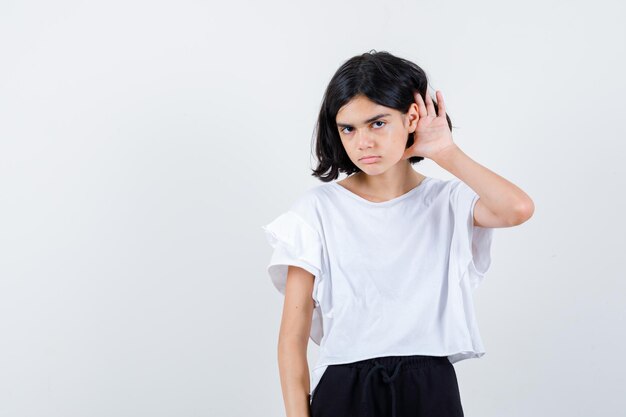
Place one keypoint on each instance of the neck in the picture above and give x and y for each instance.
(394, 182)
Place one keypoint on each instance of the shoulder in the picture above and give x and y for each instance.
(312, 199)
(452, 187)
(460, 190)
(447, 193)
(311, 203)
(448, 184)
(436, 188)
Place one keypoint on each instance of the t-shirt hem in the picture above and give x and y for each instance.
(465, 354)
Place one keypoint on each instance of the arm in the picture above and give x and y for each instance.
(293, 339)
(501, 203)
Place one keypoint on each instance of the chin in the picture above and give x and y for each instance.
(373, 169)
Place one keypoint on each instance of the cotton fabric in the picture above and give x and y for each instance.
(391, 278)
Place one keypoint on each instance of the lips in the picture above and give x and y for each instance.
(369, 159)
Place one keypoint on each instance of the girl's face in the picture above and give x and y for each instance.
(369, 129)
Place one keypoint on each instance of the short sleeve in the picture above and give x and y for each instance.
(296, 242)
(471, 245)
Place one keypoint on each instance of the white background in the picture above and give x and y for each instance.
(144, 143)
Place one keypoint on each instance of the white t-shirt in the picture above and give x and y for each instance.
(392, 278)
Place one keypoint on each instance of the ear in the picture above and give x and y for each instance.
(413, 117)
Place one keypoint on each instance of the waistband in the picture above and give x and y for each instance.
(408, 362)
(389, 368)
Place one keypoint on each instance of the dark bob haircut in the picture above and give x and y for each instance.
(381, 77)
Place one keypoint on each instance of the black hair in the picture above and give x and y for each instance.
(381, 77)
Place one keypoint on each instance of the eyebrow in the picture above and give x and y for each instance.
(371, 119)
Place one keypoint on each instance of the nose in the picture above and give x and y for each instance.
(364, 139)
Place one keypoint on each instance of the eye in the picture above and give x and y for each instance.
(377, 121)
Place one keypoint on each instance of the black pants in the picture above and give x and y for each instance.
(389, 386)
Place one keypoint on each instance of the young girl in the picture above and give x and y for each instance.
(378, 269)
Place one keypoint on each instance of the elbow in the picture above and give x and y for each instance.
(523, 212)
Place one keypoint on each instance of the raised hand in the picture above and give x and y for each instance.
(432, 134)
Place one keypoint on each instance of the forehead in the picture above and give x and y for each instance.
(359, 109)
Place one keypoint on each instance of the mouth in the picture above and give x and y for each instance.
(370, 159)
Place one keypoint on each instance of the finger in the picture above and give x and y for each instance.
(420, 105)
(441, 104)
(430, 106)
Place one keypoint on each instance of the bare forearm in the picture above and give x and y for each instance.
(294, 376)
(502, 197)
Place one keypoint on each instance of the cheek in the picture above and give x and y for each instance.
(394, 137)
